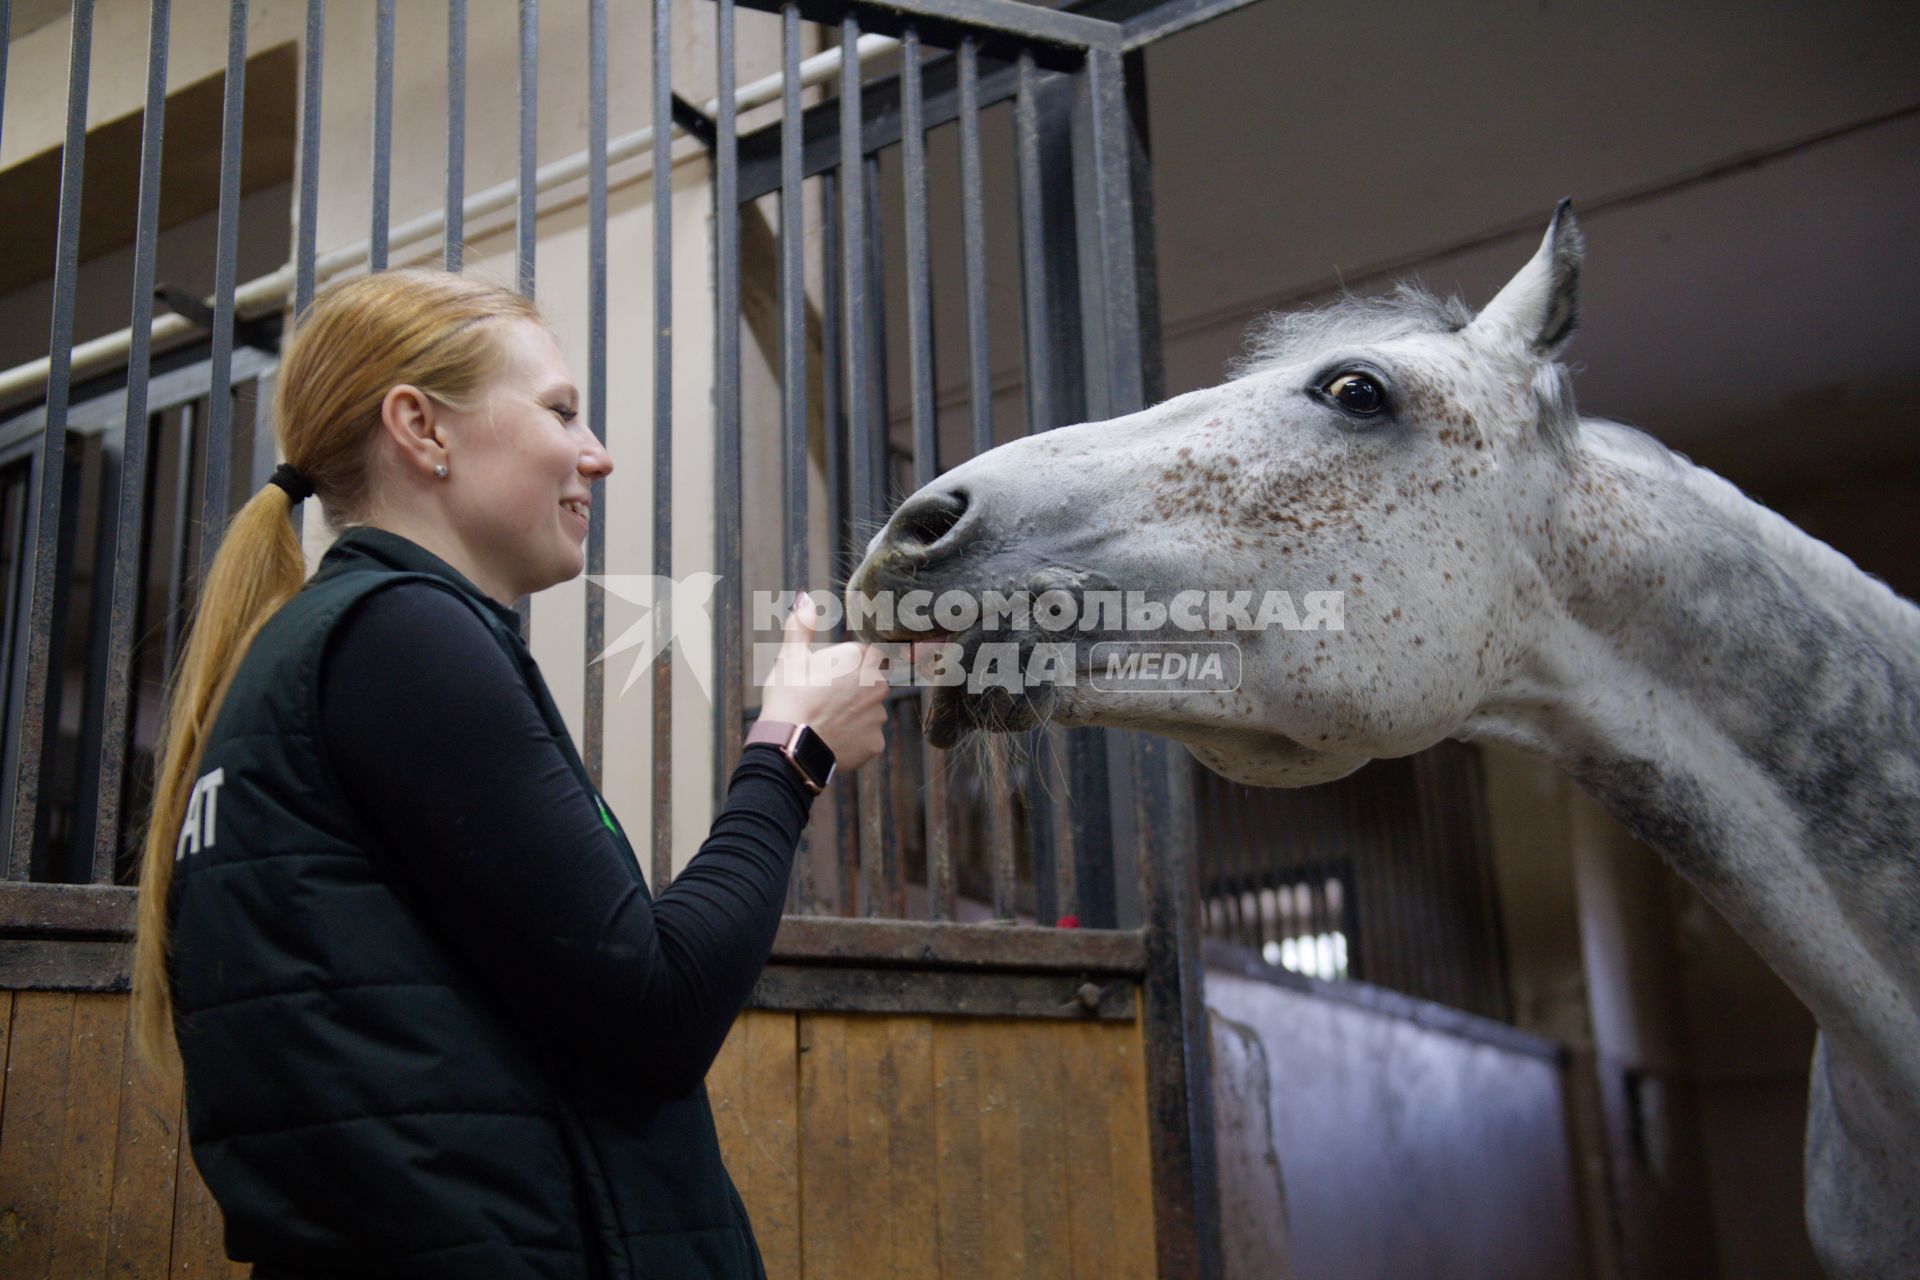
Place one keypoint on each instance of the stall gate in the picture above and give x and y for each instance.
(980, 1048)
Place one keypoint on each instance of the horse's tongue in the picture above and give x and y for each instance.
(945, 724)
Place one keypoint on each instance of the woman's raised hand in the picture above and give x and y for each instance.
(840, 691)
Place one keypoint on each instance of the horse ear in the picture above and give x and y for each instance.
(1541, 304)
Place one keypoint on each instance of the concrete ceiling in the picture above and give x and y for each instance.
(1748, 178)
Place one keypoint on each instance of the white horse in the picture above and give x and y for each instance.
(1738, 694)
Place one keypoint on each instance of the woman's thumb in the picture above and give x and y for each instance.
(802, 621)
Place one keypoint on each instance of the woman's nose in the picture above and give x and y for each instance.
(596, 462)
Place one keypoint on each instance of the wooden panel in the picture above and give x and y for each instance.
(38, 1054)
(753, 1088)
(906, 1090)
(957, 1128)
(199, 1251)
(6, 1030)
(84, 1178)
(146, 1158)
(826, 1191)
(1091, 1211)
(1124, 1102)
(897, 1145)
(1044, 1118)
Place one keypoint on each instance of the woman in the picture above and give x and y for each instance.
(432, 1022)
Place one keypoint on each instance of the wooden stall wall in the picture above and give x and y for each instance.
(864, 1145)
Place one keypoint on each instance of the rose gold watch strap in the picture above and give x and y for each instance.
(774, 733)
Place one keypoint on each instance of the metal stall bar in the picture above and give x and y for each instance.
(973, 249)
(841, 505)
(526, 190)
(527, 187)
(884, 771)
(226, 249)
(593, 715)
(660, 854)
(307, 231)
(128, 544)
(6, 42)
(1050, 278)
(926, 460)
(793, 364)
(860, 412)
(36, 704)
(1007, 22)
(452, 246)
(1112, 146)
(729, 706)
(382, 213)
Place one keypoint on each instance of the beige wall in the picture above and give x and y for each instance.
(36, 106)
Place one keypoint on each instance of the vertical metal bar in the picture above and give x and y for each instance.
(525, 189)
(729, 706)
(453, 238)
(1033, 248)
(1000, 850)
(660, 855)
(859, 391)
(875, 339)
(15, 497)
(219, 449)
(973, 246)
(886, 458)
(913, 150)
(97, 678)
(523, 225)
(38, 689)
(382, 135)
(180, 536)
(128, 543)
(843, 534)
(308, 230)
(1187, 1227)
(793, 361)
(594, 713)
(926, 460)
(6, 42)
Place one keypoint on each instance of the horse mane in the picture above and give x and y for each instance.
(1638, 451)
(1285, 336)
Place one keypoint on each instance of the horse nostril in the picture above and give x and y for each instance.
(920, 526)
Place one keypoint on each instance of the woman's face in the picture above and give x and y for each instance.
(522, 466)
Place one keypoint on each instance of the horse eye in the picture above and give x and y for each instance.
(1357, 393)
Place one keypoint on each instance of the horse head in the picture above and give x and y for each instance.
(1394, 453)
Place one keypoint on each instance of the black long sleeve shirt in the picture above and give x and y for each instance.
(442, 747)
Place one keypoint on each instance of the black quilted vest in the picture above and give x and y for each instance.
(358, 1103)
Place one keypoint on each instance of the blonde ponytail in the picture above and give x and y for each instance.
(258, 568)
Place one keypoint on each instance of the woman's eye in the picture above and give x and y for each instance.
(1357, 393)
(564, 413)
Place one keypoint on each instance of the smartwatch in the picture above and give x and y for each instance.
(804, 749)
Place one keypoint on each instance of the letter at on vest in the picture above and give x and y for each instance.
(350, 1090)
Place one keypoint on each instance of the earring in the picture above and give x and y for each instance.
(440, 469)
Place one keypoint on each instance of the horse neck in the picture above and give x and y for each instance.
(1747, 702)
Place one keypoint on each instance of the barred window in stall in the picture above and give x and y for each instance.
(1383, 877)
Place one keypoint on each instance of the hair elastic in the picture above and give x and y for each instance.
(297, 486)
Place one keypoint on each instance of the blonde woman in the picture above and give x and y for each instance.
(432, 1023)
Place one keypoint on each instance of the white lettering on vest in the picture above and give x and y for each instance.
(196, 832)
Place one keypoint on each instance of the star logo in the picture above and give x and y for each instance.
(670, 609)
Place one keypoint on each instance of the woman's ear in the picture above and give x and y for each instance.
(412, 422)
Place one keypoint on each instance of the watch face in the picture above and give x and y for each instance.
(813, 756)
